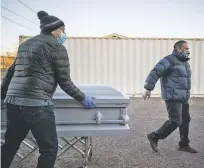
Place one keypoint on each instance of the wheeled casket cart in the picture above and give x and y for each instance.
(110, 118)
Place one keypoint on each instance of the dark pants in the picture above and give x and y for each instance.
(41, 122)
(178, 117)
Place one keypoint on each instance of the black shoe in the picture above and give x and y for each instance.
(188, 149)
(153, 143)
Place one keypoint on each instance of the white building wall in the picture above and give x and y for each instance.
(125, 63)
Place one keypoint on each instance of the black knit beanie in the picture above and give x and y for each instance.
(49, 23)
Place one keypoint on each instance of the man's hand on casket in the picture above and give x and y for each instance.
(88, 102)
(146, 94)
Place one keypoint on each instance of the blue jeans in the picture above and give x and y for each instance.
(41, 122)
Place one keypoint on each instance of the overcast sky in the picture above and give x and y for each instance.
(135, 18)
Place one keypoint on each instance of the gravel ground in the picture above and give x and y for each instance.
(134, 151)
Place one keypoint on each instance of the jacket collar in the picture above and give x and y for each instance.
(44, 33)
(47, 38)
(179, 56)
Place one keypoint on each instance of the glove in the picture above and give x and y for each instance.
(88, 102)
(146, 94)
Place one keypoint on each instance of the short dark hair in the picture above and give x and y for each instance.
(179, 44)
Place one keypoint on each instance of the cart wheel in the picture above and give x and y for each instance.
(90, 154)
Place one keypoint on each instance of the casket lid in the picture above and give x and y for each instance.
(104, 94)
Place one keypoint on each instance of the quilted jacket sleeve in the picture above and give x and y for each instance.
(61, 67)
(6, 80)
(158, 71)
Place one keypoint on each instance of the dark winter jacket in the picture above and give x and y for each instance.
(40, 65)
(175, 74)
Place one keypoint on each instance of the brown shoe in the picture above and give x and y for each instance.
(153, 143)
(188, 149)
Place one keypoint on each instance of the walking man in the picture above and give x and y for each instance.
(42, 62)
(175, 74)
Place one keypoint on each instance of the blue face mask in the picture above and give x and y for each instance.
(62, 38)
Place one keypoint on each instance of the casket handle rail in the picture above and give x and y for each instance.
(124, 116)
(122, 122)
(99, 119)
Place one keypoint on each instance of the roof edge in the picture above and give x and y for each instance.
(126, 38)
